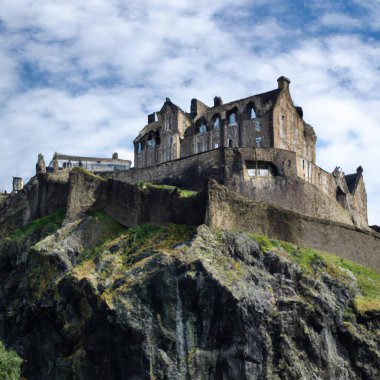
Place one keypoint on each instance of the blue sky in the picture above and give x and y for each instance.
(79, 77)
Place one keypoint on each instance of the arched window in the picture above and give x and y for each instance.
(232, 119)
(253, 113)
(202, 128)
(216, 123)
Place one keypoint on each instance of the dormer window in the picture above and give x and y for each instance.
(202, 128)
(232, 119)
(253, 114)
(216, 123)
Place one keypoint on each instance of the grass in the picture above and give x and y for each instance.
(89, 174)
(312, 261)
(132, 246)
(182, 192)
(108, 229)
(41, 227)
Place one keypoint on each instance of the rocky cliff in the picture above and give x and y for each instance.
(94, 300)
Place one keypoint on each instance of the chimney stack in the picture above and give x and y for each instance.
(283, 83)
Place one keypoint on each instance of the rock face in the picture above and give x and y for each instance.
(95, 301)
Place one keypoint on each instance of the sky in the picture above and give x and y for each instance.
(79, 77)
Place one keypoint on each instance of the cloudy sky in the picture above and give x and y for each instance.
(79, 76)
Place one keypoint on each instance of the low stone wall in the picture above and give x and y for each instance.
(133, 205)
(229, 210)
(189, 173)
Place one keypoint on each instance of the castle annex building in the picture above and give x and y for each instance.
(259, 146)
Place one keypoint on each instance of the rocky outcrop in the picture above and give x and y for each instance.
(95, 301)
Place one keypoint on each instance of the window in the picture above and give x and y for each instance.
(258, 142)
(258, 126)
(168, 123)
(232, 119)
(303, 164)
(216, 123)
(216, 146)
(230, 144)
(139, 147)
(258, 172)
(253, 113)
(202, 128)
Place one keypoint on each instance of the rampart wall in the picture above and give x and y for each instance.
(229, 167)
(229, 210)
(189, 173)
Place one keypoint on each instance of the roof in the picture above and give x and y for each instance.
(265, 97)
(351, 180)
(61, 156)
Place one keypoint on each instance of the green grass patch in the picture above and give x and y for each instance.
(138, 242)
(313, 261)
(182, 192)
(108, 228)
(39, 227)
(10, 364)
(264, 243)
(88, 174)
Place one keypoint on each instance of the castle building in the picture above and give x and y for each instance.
(259, 146)
(64, 163)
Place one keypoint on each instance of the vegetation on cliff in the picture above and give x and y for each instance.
(93, 299)
(10, 364)
(314, 262)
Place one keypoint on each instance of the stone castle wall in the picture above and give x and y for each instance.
(230, 167)
(228, 210)
(189, 173)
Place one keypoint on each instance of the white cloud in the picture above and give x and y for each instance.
(98, 67)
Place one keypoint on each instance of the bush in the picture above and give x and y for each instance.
(10, 364)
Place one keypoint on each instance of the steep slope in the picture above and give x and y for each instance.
(93, 300)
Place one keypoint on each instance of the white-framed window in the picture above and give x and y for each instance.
(232, 119)
(216, 123)
(258, 142)
(253, 113)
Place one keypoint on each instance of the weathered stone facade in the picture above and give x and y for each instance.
(259, 146)
(65, 163)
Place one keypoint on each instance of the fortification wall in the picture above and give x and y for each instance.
(229, 210)
(188, 173)
(290, 192)
(133, 205)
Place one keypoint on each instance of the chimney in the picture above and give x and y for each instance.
(283, 83)
(218, 101)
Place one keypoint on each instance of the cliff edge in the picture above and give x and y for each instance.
(93, 299)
